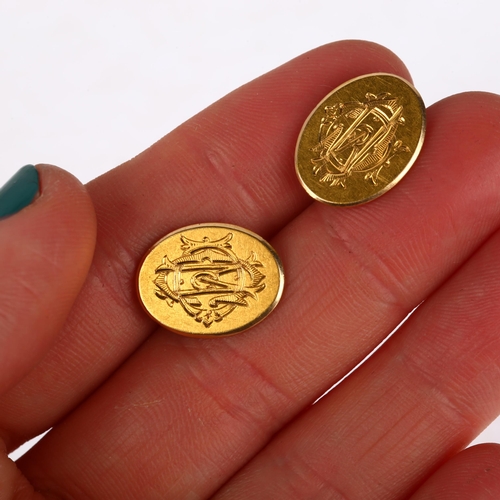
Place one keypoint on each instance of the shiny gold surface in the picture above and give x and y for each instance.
(360, 140)
(210, 280)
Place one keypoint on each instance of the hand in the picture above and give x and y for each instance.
(138, 412)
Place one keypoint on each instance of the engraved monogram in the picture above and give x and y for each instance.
(358, 137)
(208, 279)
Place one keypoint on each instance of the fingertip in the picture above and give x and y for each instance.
(61, 192)
(352, 58)
(381, 56)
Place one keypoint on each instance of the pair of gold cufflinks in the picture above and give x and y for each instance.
(216, 279)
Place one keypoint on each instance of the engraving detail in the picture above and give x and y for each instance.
(358, 137)
(208, 279)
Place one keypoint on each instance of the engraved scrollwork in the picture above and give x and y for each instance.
(208, 279)
(358, 137)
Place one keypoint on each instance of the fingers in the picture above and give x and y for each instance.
(421, 398)
(232, 163)
(352, 276)
(473, 474)
(45, 253)
(47, 241)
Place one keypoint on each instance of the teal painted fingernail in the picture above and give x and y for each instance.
(19, 191)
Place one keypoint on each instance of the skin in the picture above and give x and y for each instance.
(139, 412)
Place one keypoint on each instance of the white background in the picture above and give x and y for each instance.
(88, 85)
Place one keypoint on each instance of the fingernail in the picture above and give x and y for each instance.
(19, 191)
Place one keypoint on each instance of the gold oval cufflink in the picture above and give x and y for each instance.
(210, 280)
(360, 140)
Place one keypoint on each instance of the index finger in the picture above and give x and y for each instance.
(231, 163)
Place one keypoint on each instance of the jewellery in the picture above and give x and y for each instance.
(210, 280)
(360, 140)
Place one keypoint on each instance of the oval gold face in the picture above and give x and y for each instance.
(210, 280)
(360, 140)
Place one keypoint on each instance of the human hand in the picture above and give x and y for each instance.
(139, 412)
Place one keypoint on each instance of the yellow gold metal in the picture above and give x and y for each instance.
(360, 140)
(210, 280)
